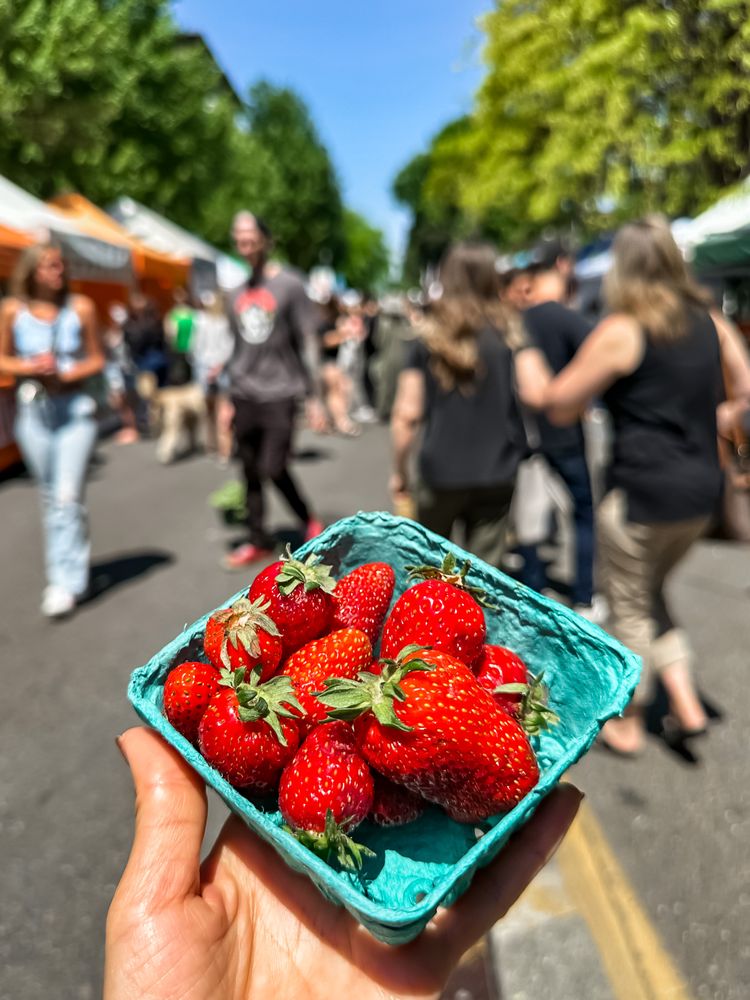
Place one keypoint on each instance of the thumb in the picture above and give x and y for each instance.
(170, 820)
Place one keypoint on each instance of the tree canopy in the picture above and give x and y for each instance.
(593, 111)
(107, 97)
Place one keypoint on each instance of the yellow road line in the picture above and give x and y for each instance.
(636, 962)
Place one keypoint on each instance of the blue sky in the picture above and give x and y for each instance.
(379, 78)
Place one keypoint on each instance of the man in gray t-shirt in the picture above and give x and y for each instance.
(273, 365)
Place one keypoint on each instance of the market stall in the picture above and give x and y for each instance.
(158, 273)
(210, 267)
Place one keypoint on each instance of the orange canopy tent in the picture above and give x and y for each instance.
(12, 242)
(158, 273)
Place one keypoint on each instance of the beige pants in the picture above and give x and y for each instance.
(635, 561)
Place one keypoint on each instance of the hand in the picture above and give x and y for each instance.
(729, 416)
(43, 365)
(315, 415)
(245, 925)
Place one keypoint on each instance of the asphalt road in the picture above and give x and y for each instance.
(680, 829)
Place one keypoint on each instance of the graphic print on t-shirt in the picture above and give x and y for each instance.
(256, 313)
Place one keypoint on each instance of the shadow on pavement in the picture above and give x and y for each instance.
(109, 574)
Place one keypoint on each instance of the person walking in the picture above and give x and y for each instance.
(657, 362)
(559, 332)
(212, 346)
(274, 364)
(50, 343)
(458, 383)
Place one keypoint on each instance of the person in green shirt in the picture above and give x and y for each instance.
(180, 322)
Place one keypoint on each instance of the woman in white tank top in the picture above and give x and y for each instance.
(50, 343)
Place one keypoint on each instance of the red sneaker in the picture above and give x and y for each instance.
(313, 528)
(245, 555)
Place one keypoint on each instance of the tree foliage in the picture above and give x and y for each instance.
(106, 97)
(592, 111)
(365, 263)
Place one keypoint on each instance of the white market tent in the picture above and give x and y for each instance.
(210, 265)
(727, 215)
(88, 258)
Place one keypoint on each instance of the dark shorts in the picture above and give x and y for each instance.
(264, 435)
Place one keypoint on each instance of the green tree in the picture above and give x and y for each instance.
(305, 210)
(592, 111)
(366, 260)
(103, 97)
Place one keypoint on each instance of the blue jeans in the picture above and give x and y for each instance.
(573, 470)
(56, 435)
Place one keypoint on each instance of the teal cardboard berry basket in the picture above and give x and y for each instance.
(429, 863)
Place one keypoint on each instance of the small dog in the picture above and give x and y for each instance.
(177, 413)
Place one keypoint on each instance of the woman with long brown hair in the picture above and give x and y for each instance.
(657, 361)
(458, 381)
(50, 343)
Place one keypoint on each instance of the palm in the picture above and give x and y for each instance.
(246, 925)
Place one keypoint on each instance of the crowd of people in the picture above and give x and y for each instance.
(486, 382)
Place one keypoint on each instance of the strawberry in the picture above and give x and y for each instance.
(300, 598)
(248, 732)
(326, 792)
(441, 612)
(188, 689)
(425, 723)
(362, 598)
(243, 636)
(504, 674)
(394, 805)
(340, 654)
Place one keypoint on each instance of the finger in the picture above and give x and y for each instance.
(170, 820)
(498, 886)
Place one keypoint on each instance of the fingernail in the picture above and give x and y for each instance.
(118, 742)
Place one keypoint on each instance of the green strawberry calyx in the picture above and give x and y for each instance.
(310, 573)
(377, 693)
(269, 701)
(450, 572)
(334, 840)
(534, 714)
(241, 623)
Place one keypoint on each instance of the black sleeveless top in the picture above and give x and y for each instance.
(475, 438)
(665, 456)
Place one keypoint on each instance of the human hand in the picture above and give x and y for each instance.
(399, 487)
(44, 365)
(245, 925)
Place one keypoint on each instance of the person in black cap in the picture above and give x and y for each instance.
(559, 331)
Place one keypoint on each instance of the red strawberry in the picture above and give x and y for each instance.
(394, 805)
(442, 612)
(326, 792)
(497, 666)
(340, 654)
(249, 732)
(362, 598)
(300, 598)
(504, 674)
(187, 691)
(243, 636)
(426, 724)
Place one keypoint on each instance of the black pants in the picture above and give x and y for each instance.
(482, 511)
(264, 443)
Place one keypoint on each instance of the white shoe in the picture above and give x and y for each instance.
(365, 415)
(57, 602)
(597, 612)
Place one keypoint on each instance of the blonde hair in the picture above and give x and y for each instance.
(470, 302)
(23, 281)
(650, 281)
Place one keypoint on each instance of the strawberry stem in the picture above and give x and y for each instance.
(270, 701)
(451, 573)
(334, 840)
(309, 573)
